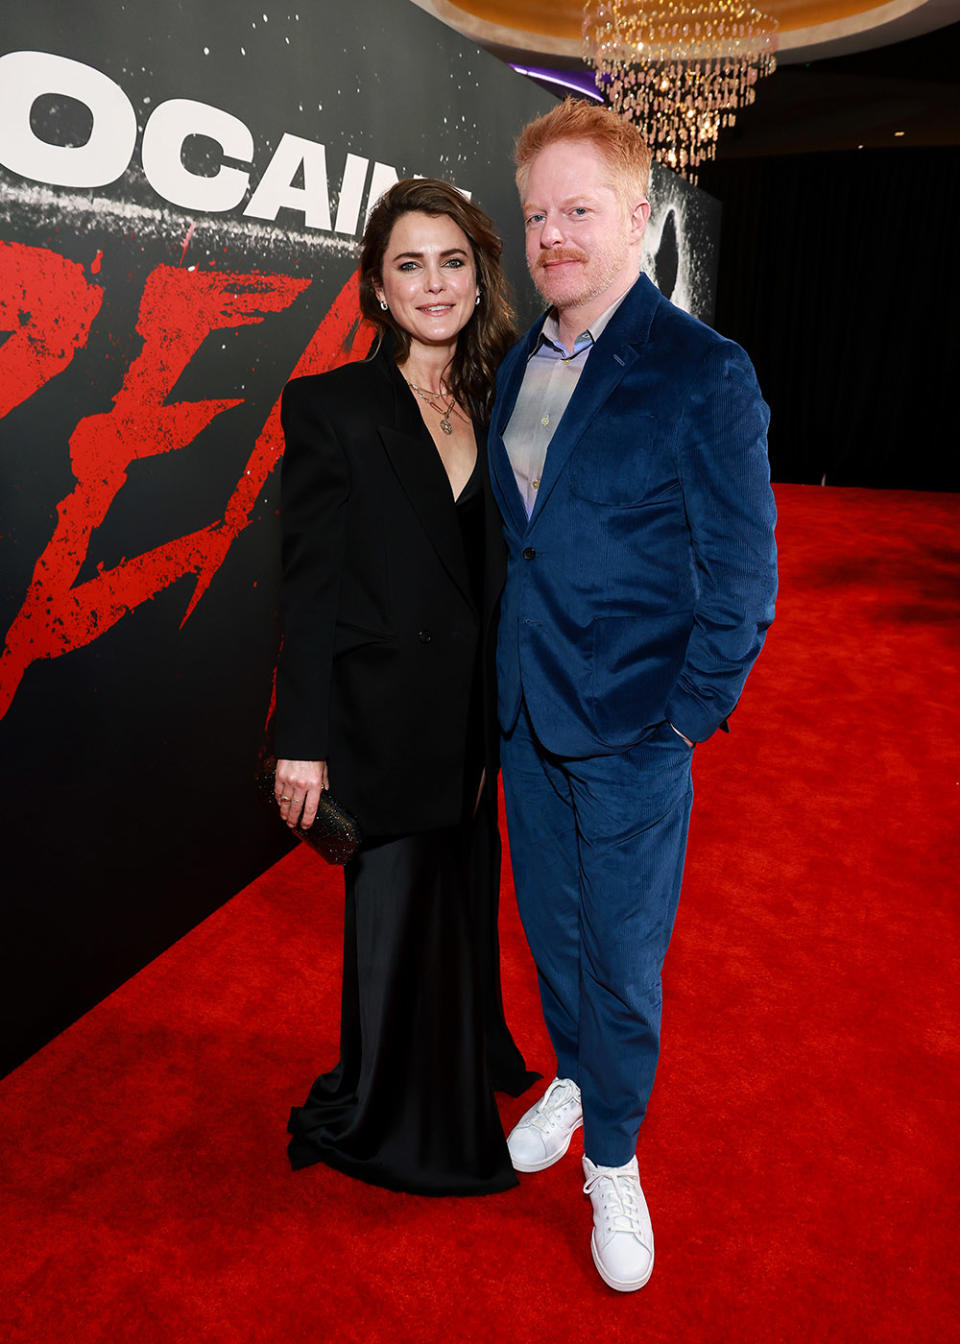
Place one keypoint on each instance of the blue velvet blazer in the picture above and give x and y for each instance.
(642, 586)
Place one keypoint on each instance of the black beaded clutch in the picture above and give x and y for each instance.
(334, 834)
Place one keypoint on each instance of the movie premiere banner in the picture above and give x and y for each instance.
(182, 190)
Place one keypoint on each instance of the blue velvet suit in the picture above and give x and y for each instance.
(638, 595)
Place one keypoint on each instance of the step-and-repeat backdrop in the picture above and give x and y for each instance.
(182, 187)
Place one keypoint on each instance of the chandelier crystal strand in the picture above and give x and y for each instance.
(679, 71)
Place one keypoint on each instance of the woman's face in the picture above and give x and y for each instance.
(429, 279)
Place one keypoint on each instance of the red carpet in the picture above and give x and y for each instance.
(800, 1157)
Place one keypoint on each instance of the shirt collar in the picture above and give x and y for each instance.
(550, 331)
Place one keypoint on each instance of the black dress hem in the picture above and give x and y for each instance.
(303, 1153)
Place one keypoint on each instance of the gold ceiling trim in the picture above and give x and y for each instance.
(497, 34)
(838, 34)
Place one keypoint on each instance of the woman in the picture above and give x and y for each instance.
(392, 568)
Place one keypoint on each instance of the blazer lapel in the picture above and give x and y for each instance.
(511, 376)
(617, 349)
(415, 459)
(605, 369)
(509, 380)
(505, 488)
(495, 553)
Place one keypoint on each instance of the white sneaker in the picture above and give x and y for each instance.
(622, 1240)
(543, 1134)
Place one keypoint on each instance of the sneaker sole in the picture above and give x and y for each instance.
(620, 1285)
(547, 1161)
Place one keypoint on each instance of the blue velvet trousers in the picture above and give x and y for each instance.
(597, 847)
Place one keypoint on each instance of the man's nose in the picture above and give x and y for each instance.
(551, 235)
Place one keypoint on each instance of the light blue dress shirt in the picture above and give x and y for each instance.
(551, 375)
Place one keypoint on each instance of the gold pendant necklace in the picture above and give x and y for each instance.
(426, 395)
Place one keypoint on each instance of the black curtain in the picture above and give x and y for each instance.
(839, 275)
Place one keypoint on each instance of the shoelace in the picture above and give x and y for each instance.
(619, 1203)
(550, 1105)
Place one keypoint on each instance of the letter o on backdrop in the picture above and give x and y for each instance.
(26, 76)
(163, 138)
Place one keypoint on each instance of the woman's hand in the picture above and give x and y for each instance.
(297, 790)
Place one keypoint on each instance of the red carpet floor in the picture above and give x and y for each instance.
(800, 1156)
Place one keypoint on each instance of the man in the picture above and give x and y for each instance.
(628, 452)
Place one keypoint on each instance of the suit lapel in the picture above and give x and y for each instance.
(416, 462)
(618, 347)
(505, 488)
(511, 376)
(605, 368)
(508, 389)
(495, 559)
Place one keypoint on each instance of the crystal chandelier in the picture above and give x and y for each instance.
(679, 70)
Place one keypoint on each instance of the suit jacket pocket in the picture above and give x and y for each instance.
(622, 461)
(635, 661)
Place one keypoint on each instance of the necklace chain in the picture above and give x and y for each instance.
(424, 391)
(425, 394)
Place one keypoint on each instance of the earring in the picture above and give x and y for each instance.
(384, 306)
(476, 302)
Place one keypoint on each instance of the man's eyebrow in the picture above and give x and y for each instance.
(578, 198)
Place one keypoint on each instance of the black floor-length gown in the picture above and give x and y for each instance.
(423, 1041)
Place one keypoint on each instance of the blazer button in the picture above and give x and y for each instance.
(529, 553)
(424, 636)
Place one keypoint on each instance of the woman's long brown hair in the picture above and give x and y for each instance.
(490, 331)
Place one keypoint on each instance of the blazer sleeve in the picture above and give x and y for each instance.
(725, 476)
(314, 489)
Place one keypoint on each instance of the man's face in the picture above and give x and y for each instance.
(582, 235)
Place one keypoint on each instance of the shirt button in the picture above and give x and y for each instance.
(545, 420)
(535, 484)
(424, 636)
(529, 553)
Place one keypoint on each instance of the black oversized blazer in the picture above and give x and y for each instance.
(381, 635)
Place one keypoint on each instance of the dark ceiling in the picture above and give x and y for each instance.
(849, 102)
(862, 99)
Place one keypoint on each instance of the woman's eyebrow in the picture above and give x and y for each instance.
(447, 252)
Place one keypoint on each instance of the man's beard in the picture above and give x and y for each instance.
(591, 286)
(541, 275)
